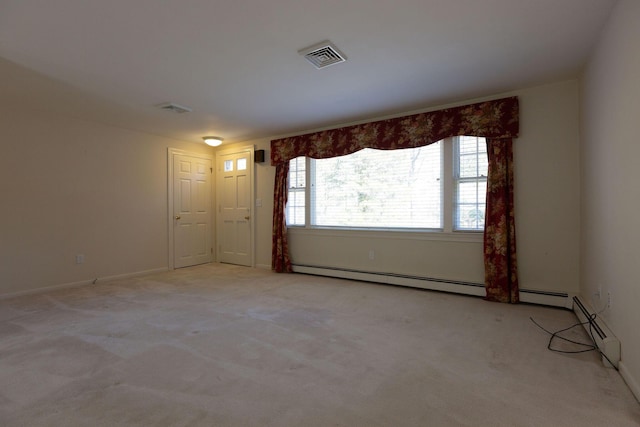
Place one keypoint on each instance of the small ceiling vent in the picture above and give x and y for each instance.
(323, 54)
(174, 108)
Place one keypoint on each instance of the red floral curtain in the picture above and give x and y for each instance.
(496, 120)
(280, 261)
(500, 267)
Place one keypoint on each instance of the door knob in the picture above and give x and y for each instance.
(247, 217)
(177, 216)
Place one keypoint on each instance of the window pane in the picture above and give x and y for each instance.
(471, 217)
(483, 164)
(472, 144)
(468, 165)
(297, 173)
(228, 165)
(295, 209)
(470, 183)
(380, 188)
(472, 192)
(242, 164)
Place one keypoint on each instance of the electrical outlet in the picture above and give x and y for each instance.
(80, 259)
(372, 254)
(608, 299)
(599, 293)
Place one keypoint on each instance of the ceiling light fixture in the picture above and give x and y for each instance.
(213, 141)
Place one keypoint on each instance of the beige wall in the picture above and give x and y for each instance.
(547, 211)
(547, 201)
(80, 187)
(265, 178)
(611, 181)
(74, 187)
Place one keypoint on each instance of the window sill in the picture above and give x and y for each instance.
(396, 234)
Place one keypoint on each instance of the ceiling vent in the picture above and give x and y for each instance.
(323, 54)
(174, 108)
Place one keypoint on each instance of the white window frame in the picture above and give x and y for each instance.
(457, 179)
(448, 232)
(297, 189)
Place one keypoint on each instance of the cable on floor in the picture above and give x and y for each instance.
(589, 346)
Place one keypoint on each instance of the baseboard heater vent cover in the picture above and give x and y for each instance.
(602, 336)
(553, 299)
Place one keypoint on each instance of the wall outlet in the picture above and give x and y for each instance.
(372, 254)
(80, 259)
(608, 299)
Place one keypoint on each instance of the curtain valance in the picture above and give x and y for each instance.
(489, 119)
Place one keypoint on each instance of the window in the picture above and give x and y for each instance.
(393, 189)
(379, 188)
(470, 178)
(297, 191)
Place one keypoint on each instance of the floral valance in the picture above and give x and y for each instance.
(490, 119)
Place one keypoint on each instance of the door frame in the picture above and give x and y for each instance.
(170, 223)
(252, 209)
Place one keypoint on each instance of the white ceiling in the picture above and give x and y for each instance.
(236, 64)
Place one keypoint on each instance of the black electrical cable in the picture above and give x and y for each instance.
(590, 347)
(555, 335)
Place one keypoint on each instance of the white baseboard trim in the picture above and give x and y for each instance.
(82, 283)
(552, 299)
(601, 335)
(632, 382)
(465, 288)
(415, 282)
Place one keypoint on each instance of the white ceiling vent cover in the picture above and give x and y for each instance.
(323, 54)
(174, 108)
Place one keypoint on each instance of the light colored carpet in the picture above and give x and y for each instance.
(221, 345)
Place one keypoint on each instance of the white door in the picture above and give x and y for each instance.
(191, 210)
(235, 212)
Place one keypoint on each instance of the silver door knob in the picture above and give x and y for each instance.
(177, 216)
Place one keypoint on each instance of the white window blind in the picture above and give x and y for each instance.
(393, 189)
(379, 189)
(470, 180)
(295, 212)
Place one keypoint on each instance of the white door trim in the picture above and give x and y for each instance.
(170, 223)
(250, 149)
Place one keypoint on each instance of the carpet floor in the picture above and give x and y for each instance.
(223, 345)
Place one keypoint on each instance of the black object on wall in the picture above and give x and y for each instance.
(258, 156)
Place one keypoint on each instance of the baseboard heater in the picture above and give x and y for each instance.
(554, 299)
(602, 337)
